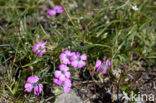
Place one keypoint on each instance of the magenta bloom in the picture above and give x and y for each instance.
(103, 66)
(65, 84)
(56, 9)
(39, 48)
(57, 81)
(63, 73)
(51, 12)
(65, 56)
(32, 84)
(38, 89)
(78, 60)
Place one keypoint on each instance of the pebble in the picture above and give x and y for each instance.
(70, 97)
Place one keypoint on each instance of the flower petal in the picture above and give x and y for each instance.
(73, 57)
(98, 63)
(67, 52)
(57, 74)
(81, 64)
(62, 77)
(28, 87)
(57, 81)
(67, 74)
(38, 89)
(64, 58)
(68, 83)
(74, 63)
(66, 89)
(63, 67)
(84, 57)
(51, 12)
(99, 68)
(32, 79)
(57, 7)
(105, 70)
(60, 11)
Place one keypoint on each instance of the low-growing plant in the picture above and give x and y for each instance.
(44, 44)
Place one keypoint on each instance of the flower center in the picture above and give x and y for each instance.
(40, 48)
(78, 59)
(56, 10)
(63, 72)
(64, 84)
(34, 85)
(68, 56)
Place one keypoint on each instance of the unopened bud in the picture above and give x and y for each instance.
(31, 68)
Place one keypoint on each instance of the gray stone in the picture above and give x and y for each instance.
(70, 97)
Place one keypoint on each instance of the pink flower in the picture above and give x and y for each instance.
(32, 79)
(39, 48)
(63, 73)
(77, 60)
(32, 84)
(28, 87)
(51, 12)
(103, 66)
(56, 9)
(65, 84)
(65, 56)
(38, 89)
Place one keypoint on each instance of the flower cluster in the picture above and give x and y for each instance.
(62, 76)
(32, 84)
(56, 10)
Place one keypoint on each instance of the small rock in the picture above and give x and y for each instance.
(70, 97)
